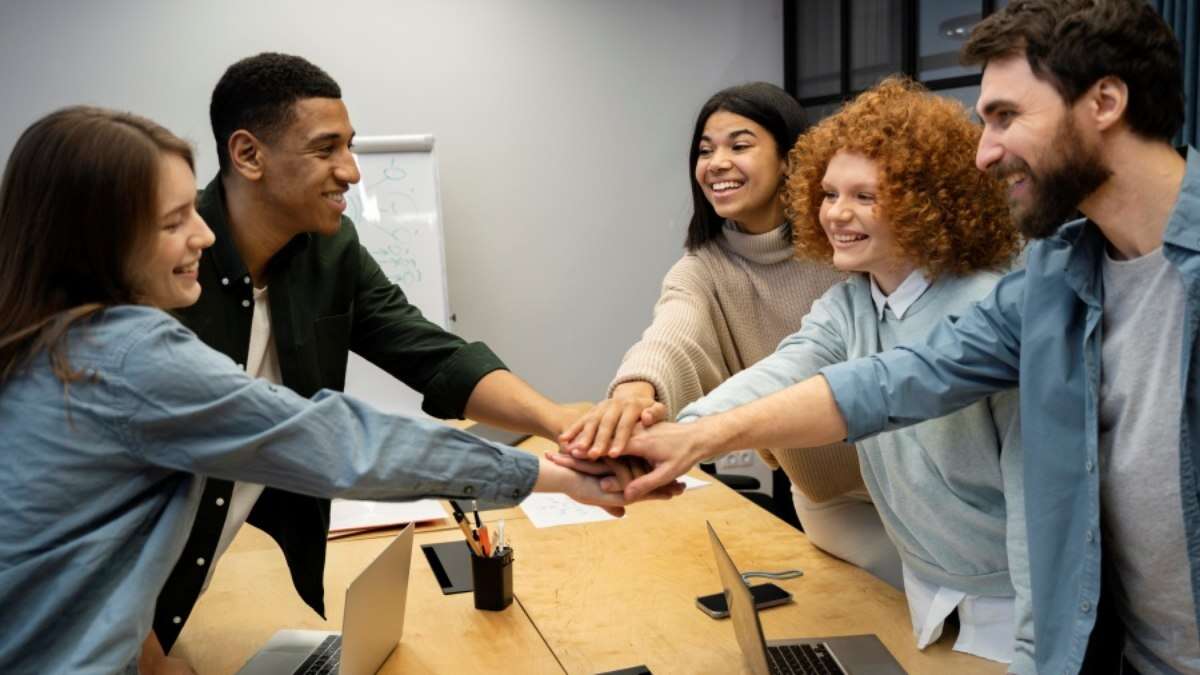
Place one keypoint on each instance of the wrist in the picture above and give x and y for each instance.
(634, 389)
(716, 435)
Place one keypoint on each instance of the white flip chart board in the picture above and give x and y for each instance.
(397, 210)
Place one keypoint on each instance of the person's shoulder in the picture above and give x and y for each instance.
(108, 336)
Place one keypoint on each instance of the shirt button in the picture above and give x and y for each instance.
(242, 366)
(246, 280)
(516, 493)
(1091, 536)
(469, 490)
(245, 303)
(224, 281)
(220, 501)
(177, 620)
(1089, 466)
(1085, 606)
(200, 562)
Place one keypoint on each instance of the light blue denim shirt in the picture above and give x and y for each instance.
(1040, 328)
(99, 484)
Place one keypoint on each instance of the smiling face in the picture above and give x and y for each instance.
(308, 168)
(1030, 142)
(739, 170)
(862, 240)
(164, 273)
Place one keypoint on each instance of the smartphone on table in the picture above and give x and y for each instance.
(765, 595)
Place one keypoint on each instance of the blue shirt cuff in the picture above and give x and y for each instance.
(859, 396)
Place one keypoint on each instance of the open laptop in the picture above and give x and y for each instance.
(854, 654)
(371, 624)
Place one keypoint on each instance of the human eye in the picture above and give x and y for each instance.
(742, 145)
(866, 197)
(705, 151)
(829, 195)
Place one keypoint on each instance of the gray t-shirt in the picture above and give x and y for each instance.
(1142, 515)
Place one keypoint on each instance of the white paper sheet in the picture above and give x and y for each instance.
(345, 514)
(548, 510)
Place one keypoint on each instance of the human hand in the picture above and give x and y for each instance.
(610, 423)
(670, 449)
(615, 474)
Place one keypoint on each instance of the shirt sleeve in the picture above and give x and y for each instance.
(189, 408)
(964, 359)
(392, 333)
(819, 343)
(679, 353)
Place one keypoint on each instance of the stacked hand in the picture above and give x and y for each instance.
(625, 440)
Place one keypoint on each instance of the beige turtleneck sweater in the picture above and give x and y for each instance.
(723, 308)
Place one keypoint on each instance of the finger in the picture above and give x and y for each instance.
(618, 511)
(620, 471)
(637, 466)
(583, 440)
(629, 419)
(580, 465)
(661, 475)
(604, 431)
(572, 429)
(610, 484)
(654, 414)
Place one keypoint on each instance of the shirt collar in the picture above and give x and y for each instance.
(228, 262)
(903, 297)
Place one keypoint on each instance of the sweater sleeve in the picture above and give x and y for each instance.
(679, 353)
(1004, 407)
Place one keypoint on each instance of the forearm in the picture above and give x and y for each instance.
(505, 400)
(803, 415)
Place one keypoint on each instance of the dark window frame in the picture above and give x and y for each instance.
(908, 52)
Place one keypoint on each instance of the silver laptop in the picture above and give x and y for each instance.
(854, 654)
(371, 624)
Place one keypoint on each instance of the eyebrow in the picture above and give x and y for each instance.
(327, 137)
(733, 134)
(994, 104)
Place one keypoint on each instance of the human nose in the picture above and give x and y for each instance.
(719, 160)
(989, 151)
(202, 237)
(347, 169)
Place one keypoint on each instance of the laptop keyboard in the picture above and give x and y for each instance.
(323, 660)
(803, 660)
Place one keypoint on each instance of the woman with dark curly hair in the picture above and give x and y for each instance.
(887, 189)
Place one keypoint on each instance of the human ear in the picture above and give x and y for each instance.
(1107, 100)
(245, 154)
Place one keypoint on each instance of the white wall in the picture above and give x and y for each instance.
(562, 129)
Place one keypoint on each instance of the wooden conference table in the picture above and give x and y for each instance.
(589, 598)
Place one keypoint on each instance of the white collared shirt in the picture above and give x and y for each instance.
(903, 297)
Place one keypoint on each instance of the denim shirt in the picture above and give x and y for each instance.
(1040, 328)
(99, 484)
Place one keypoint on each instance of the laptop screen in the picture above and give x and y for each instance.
(741, 609)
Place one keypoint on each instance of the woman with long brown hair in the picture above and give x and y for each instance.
(112, 412)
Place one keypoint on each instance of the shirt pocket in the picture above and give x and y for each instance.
(333, 349)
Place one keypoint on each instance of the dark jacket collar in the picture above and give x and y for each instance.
(228, 261)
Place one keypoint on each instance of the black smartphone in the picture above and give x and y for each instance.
(765, 595)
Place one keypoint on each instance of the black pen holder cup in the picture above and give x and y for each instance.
(492, 578)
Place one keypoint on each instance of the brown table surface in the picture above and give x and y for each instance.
(590, 598)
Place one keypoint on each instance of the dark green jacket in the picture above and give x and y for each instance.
(328, 297)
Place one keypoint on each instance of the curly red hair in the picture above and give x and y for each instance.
(946, 214)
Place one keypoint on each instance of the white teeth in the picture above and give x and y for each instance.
(848, 238)
(335, 196)
(1014, 178)
(726, 185)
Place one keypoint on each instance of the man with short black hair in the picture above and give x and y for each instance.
(1079, 101)
(290, 291)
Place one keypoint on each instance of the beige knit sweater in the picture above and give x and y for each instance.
(723, 308)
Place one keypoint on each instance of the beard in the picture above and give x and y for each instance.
(1055, 195)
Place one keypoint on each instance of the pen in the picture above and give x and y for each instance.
(499, 537)
(466, 529)
(475, 508)
(483, 540)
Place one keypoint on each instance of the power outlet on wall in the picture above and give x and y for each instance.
(738, 459)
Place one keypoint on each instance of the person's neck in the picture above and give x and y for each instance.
(1133, 206)
(256, 229)
(766, 220)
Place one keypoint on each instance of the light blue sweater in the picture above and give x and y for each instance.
(941, 486)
